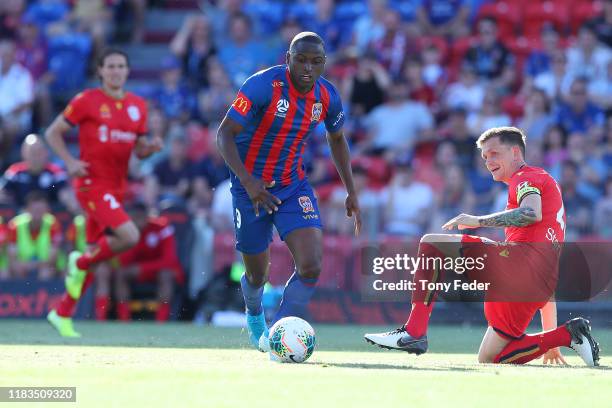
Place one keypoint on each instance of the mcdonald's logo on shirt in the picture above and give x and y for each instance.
(242, 104)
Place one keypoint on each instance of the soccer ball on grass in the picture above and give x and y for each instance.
(292, 340)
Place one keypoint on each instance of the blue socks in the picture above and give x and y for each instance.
(252, 296)
(296, 296)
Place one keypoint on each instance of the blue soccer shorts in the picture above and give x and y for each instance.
(298, 209)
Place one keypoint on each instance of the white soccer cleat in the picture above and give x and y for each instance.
(583, 342)
(264, 343)
(398, 339)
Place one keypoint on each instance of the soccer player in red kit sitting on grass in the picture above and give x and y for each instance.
(153, 259)
(534, 222)
(112, 123)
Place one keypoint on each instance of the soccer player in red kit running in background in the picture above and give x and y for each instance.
(535, 218)
(112, 123)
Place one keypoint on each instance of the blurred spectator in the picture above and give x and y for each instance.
(467, 93)
(433, 173)
(419, 89)
(365, 87)
(36, 173)
(16, 97)
(398, 124)
(32, 53)
(369, 204)
(4, 272)
(588, 58)
(171, 178)
(130, 18)
(483, 187)
(219, 14)
(602, 220)
(453, 199)
(554, 147)
(214, 100)
(10, 17)
(539, 60)
(579, 114)
(193, 44)
(327, 25)
(537, 118)
(490, 114)
(34, 240)
(371, 26)
(221, 212)
(289, 29)
(556, 81)
(489, 58)
(173, 96)
(600, 90)
(394, 47)
(434, 74)
(408, 204)
(49, 15)
(456, 130)
(446, 18)
(153, 260)
(602, 24)
(212, 167)
(242, 55)
(94, 17)
(578, 209)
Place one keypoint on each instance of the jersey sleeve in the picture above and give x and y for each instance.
(526, 185)
(76, 111)
(250, 100)
(334, 120)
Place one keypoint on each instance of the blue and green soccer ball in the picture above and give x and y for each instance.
(292, 340)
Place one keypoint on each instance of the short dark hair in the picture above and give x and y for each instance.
(508, 135)
(112, 51)
(306, 36)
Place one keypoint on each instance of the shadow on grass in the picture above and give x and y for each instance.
(381, 366)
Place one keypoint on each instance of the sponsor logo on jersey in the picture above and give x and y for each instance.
(317, 109)
(338, 118)
(505, 253)
(152, 240)
(133, 113)
(282, 106)
(242, 104)
(277, 84)
(306, 204)
(105, 112)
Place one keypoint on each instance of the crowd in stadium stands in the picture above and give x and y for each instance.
(420, 80)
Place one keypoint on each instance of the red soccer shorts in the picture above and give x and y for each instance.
(103, 209)
(522, 277)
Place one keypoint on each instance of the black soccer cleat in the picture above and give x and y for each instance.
(583, 342)
(398, 339)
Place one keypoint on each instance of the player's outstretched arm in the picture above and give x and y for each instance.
(256, 188)
(342, 160)
(55, 137)
(529, 212)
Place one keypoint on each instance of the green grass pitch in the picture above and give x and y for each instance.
(181, 365)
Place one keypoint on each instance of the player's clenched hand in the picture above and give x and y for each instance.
(462, 221)
(156, 144)
(256, 188)
(554, 356)
(76, 168)
(352, 208)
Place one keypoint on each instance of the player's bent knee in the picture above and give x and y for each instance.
(311, 270)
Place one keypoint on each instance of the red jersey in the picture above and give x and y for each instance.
(108, 129)
(534, 180)
(156, 249)
(3, 233)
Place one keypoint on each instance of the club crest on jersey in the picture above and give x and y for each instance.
(133, 113)
(282, 106)
(105, 112)
(306, 204)
(317, 109)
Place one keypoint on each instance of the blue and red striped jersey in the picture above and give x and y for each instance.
(277, 121)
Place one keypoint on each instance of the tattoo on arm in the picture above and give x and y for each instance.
(518, 217)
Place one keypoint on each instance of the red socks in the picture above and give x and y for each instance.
(531, 346)
(101, 307)
(67, 304)
(123, 311)
(423, 300)
(163, 312)
(101, 253)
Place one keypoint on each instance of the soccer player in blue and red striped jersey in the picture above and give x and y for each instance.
(262, 139)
